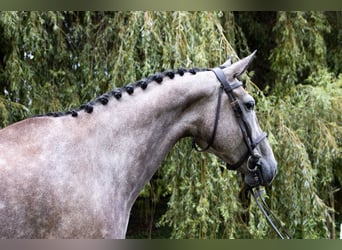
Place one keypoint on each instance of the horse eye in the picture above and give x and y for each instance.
(250, 105)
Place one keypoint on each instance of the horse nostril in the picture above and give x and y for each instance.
(256, 155)
(275, 171)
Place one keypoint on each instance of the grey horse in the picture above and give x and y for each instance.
(77, 174)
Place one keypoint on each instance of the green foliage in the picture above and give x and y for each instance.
(300, 46)
(203, 201)
(57, 60)
(11, 111)
(54, 61)
(305, 127)
(333, 42)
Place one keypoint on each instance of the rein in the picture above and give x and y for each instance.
(265, 209)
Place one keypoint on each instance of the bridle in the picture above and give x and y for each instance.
(251, 156)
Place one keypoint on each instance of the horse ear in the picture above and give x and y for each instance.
(227, 63)
(237, 69)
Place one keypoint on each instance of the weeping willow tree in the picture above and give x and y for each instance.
(54, 61)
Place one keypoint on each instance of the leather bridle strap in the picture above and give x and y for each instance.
(217, 117)
(227, 88)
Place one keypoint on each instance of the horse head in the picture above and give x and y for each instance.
(236, 136)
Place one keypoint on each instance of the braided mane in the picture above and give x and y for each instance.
(129, 88)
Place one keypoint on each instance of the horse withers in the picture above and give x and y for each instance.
(77, 174)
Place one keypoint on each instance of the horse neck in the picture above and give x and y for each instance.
(140, 129)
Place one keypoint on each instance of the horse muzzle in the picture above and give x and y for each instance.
(260, 171)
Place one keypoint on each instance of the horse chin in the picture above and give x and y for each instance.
(252, 181)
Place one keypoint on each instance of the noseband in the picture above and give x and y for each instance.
(251, 157)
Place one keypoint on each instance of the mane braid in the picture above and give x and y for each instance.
(129, 88)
